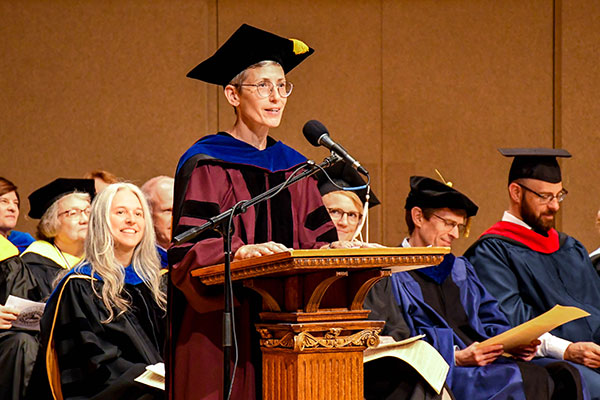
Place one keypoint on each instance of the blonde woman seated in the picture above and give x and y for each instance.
(104, 322)
(347, 208)
(63, 207)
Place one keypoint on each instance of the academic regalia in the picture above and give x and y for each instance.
(530, 273)
(41, 199)
(451, 307)
(20, 239)
(18, 349)
(44, 259)
(46, 262)
(212, 177)
(98, 360)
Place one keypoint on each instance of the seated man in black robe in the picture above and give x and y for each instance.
(530, 267)
(451, 307)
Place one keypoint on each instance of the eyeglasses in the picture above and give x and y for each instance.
(265, 88)
(546, 198)
(336, 214)
(76, 213)
(449, 225)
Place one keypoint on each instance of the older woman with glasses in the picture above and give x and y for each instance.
(214, 175)
(63, 207)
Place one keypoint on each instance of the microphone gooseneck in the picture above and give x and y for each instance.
(316, 133)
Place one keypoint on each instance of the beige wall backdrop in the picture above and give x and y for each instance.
(406, 86)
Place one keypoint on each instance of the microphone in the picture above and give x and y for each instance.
(317, 135)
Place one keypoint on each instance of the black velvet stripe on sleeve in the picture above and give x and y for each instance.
(256, 184)
(317, 218)
(282, 220)
(199, 209)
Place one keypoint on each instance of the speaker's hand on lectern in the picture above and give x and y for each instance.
(257, 250)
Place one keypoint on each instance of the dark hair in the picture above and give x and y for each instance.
(7, 186)
(427, 213)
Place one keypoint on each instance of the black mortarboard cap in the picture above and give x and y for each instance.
(345, 176)
(429, 193)
(248, 46)
(44, 197)
(535, 163)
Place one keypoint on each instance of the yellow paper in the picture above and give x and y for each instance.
(534, 328)
(419, 354)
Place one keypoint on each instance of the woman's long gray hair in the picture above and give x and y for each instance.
(99, 252)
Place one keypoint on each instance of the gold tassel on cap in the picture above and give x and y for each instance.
(468, 227)
(449, 184)
(299, 46)
(470, 219)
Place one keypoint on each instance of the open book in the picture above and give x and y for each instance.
(419, 354)
(153, 376)
(536, 327)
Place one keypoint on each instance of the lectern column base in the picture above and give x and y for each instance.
(312, 375)
(315, 361)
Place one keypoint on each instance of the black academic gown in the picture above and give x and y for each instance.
(98, 360)
(46, 263)
(17, 348)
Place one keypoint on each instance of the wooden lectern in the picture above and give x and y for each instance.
(313, 326)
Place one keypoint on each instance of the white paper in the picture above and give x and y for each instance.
(153, 376)
(30, 313)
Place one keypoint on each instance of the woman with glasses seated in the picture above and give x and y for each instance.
(63, 207)
(214, 175)
(344, 194)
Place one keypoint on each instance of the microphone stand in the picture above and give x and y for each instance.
(220, 224)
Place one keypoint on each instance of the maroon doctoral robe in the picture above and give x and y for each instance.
(208, 183)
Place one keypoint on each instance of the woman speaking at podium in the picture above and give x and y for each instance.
(212, 176)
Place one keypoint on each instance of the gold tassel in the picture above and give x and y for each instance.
(468, 226)
(299, 46)
(449, 184)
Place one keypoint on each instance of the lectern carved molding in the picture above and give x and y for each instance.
(332, 339)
